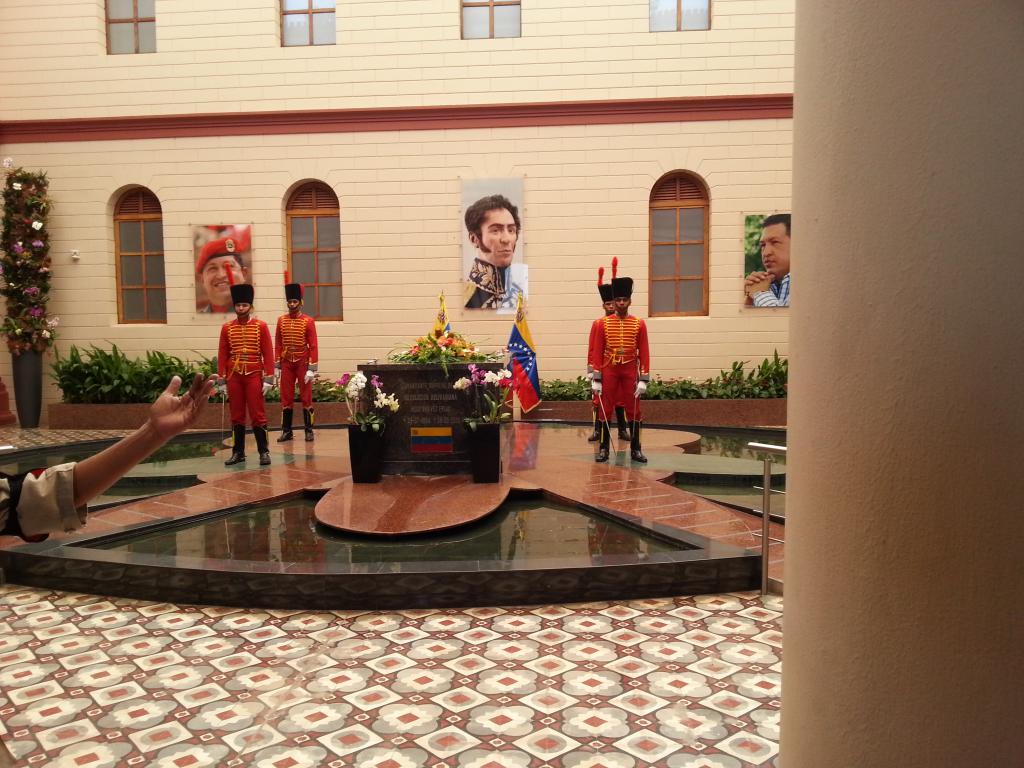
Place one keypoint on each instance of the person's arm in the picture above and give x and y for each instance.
(223, 352)
(278, 343)
(266, 350)
(643, 352)
(170, 415)
(590, 348)
(596, 353)
(314, 353)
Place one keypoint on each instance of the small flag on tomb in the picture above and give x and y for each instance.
(431, 440)
(441, 324)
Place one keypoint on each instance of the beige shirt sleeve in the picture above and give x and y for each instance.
(47, 503)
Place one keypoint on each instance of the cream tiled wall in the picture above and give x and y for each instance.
(586, 187)
(227, 56)
(586, 200)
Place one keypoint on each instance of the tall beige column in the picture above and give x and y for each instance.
(904, 626)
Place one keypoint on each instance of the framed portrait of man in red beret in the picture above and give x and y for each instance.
(223, 256)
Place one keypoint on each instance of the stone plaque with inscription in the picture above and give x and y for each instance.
(426, 436)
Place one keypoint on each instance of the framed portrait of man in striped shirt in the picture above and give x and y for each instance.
(766, 281)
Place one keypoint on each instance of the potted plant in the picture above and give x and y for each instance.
(488, 390)
(26, 285)
(368, 413)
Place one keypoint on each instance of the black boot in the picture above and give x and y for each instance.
(261, 444)
(635, 454)
(238, 448)
(307, 423)
(286, 425)
(597, 432)
(620, 414)
(606, 439)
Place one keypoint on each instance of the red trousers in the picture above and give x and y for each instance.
(247, 392)
(292, 372)
(618, 382)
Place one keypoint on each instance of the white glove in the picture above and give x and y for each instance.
(268, 384)
(596, 386)
(590, 375)
(221, 388)
(641, 387)
(310, 375)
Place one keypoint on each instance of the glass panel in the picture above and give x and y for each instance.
(691, 260)
(476, 23)
(157, 305)
(296, 30)
(147, 9)
(120, 9)
(122, 38)
(691, 224)
(155, 270)
(695, 14)
(329, 267)
(691, 296)
(323, 4)
(663, 226)
(323, 29)
(131, 270)
(133, 304)
(153, 236)
(663, 15)
(663, 296)
(296, 5)
(302, 233)
(663, 261)
(302, 268)
(330, 300)
(131, 236)
(147, 37)
(506, 20)
(328, 233)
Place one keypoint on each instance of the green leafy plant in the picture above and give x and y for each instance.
(26, 261)
(557, 389)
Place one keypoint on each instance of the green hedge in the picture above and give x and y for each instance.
(769, 379)
(97, 375)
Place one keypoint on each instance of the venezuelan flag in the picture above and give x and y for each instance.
(525, 377)
(431, 440)
(441, 323)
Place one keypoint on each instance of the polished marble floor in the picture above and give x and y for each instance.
(92, 682)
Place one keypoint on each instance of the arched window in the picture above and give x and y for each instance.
(314, 248)
(679, 246)
(139, 255)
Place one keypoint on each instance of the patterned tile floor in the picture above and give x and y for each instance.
(90, 682)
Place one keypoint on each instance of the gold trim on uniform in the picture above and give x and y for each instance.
(246, 355)
(488, 278)
(620, 337)
(293, 337)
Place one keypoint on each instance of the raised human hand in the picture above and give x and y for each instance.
(171, 414)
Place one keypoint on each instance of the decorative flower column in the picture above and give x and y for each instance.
(25, 265)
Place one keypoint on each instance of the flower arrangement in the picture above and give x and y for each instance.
(25, 263)
(489, 391)
(443, 349)
(369, 411)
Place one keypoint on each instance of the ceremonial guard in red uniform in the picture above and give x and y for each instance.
(621, 360)
(608, 303)
(245, 358)
(295, 347)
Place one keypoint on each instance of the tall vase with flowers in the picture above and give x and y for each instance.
(25, 265)
(488, 391)
(369, 409)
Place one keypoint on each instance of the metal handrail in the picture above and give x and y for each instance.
(766, 504)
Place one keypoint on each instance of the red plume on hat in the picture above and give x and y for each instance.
(605, 289)
(600, 276)
(615, 267)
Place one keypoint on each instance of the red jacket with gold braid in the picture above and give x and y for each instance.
(245, 349)
(618, 340)
(295, 338)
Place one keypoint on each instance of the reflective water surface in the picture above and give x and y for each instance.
(519, 532)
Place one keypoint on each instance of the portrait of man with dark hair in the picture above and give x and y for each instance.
(494, 230)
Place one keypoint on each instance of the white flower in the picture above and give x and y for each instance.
(8, 162)
(53, 321)
(392, 403)
(506, 373)
(355, 385)
(46, 334)
(491, 378)
(462, 383)
(16, 185)
(37, 225)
